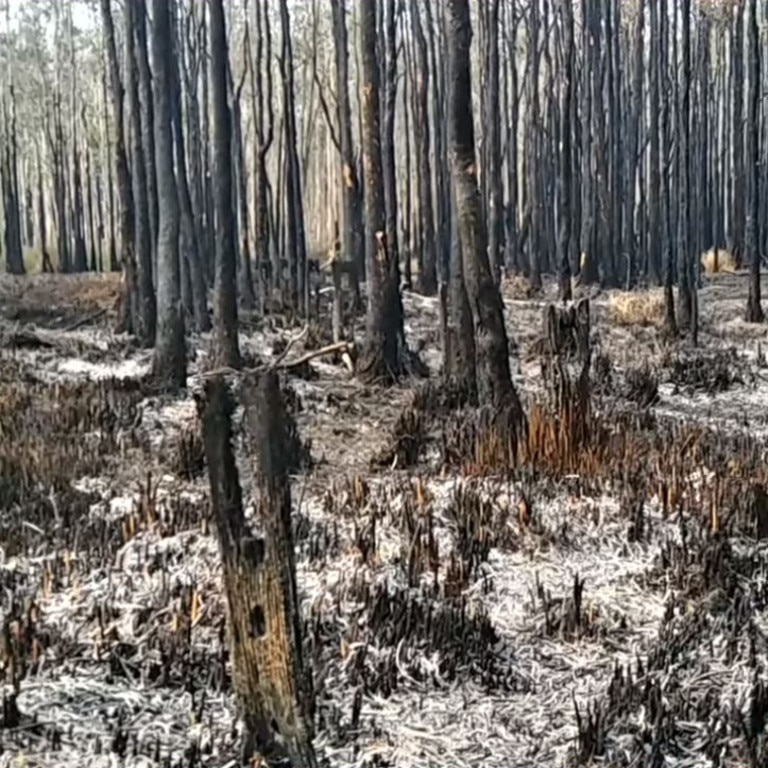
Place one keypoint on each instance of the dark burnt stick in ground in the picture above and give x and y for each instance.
(260, 576)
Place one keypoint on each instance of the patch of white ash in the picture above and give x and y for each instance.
(132, 368)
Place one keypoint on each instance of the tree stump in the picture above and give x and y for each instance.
(260, 576)
(565, 368)
(566, 330)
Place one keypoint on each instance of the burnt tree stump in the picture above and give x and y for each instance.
(260, 576)
(565, 367)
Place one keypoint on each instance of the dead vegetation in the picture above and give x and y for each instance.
(632, 308)
(595, 577)
(718, 260)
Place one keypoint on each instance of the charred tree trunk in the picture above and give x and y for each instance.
(438, 67)
(14, 251)
(42, 224)
(226, 347)
(353, 243)
(384, 321)
(80, 263)
(492, 123)
(670, 320)
(685, 289)
(754, 312)
(260, 579)
(263, 115)
(147, 120)
(91, 221)
(459, 351)
(29, 213)
(247, 295)
(147, 307)
(494, 376)
(565, 237)
(110, 149)
(296, 240)
(739, 203)
(654, 196)
(189, 245)
(428, 277)
(170, 361)
(388, 131)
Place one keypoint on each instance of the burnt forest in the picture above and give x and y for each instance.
(383, 383)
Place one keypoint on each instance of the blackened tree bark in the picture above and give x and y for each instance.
(384, 321)
(80, 263)
(428, 278)
(388, 130)
(91, 220)
(147, 305)
(14, 252)
(407, 242)
(435, 28)
(245, 273)
(565, 237)
(263, 114)
(226, 350)
(295, 234)
(633, 179)
(512, 256)
(29, 215)
(147, 119)
(188, 240)
(493, 371)
(685, 289)
(130, 319)
(459, 351)
(654, 175)
(670, 319)
(754, 312)
(492, 124)
(170, 361)
(109, 153)
(207, 203)
(533, 170)
(353, 242)
(738, 203)
(42, 222)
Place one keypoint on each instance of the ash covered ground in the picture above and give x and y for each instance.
(453, 616)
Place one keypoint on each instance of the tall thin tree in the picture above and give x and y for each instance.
(492, 347)
(170, 363)
(752, 240)
(384, 321)
(226, 351)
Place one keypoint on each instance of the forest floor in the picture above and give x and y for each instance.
(551, 646)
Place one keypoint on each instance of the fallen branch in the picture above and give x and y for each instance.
(85, 320)
(291, 343)
(345, 348)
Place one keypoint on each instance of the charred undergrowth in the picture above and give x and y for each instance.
(673, 701)
(397, 634)
(708, 372)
